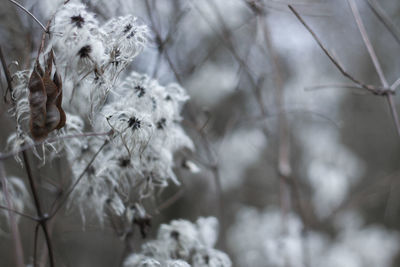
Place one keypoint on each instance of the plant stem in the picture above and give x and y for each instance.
(42, 217)
(29, 13)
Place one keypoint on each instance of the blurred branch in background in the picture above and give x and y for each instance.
(297, 176)
(385, 90)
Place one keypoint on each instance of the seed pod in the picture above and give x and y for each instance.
(58, 82)
(37, 103)
(45, 100)
(52, 113)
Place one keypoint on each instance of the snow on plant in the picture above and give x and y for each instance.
(182, 243)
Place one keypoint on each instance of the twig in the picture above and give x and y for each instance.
(256, 90)
(395, 84)
(212, 164)
(6, 73)
(161, 43)
(372, 89)
(27, 216)
(19, 254)
(4, 156)
(367, 42)
(171, 200)
(384, 18)
(284, 165)
(43, 257)
(375, 61)
(324, 86)
(55, 208)
(35, 244)
(13, 223)
(43, 218)
(30, 14)
(385, 91)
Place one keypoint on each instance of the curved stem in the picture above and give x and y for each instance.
(29, 13)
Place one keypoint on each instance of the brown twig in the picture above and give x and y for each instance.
(43, 218)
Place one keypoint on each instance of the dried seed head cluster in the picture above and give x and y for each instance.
(182, 243)
(94, 55)
(142, 115)
(115, 173)
(139, 159)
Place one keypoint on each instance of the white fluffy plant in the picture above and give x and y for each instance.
(139, 117)
(182, 244)
(93, 55)
(135, 126)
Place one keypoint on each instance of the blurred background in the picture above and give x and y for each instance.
(300, 169)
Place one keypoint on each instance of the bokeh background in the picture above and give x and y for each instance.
(299, 171)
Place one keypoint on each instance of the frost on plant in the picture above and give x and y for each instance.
(182, 243)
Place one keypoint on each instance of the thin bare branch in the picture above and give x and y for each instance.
(27, 216)
(4, 156)
(171, 200)
(384, 18)
(395, 84)
(372, 89)
(325, 86)
(42, 217)
(375, 61)
(225, 39)
(6, 73)
(367, 42)
(65, 196)
(29, 13)
(35, 244)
